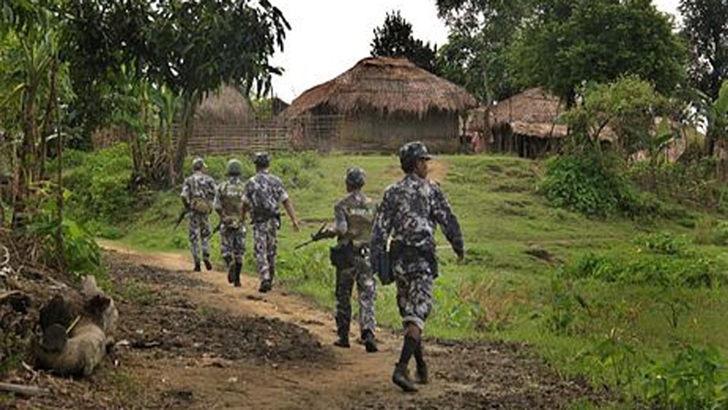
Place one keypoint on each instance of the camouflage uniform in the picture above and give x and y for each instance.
(198, 192)
(263, 192)
(229, 203)
(354, 215)
(407, 215)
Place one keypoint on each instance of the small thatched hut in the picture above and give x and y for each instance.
(227, 106)
(379, 104)
(524, 124)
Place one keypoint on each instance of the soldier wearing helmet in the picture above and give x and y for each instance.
(263, 192)
(229, 206)
(408, 214)
(354, 215)
(198, 192)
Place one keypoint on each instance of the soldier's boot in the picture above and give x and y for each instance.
(265, 286)
(197, 267)
(422, 375)
(238, 267)
(229, 267)
(206, 260)
(343, 340)
(400, 377)
(370, 343)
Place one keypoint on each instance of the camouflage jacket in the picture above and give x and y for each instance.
(198, 186)
(262, 194)
(229, 199)
(408, 214)
(354, 215)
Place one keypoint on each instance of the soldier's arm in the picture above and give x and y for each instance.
(382, 227)
(217, 201)
(185, 195)
(288, 206)
(444, 216)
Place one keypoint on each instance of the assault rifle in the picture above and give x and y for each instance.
(181, 216)
(315, 237)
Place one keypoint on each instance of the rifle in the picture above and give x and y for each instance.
(315, 237)
(181, 216)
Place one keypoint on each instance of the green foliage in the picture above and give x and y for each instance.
(640, 266)
(81, 253)
(694, 379)
(394, 39)
(664, 243)
(564, 304)
(710, 231)
(100, 184)
(592, 184)
(480, 35)
(569, 43)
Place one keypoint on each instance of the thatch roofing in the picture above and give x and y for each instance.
(227, 105)
(386, 86)
(534, 113)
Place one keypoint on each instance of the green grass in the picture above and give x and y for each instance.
(500, 291)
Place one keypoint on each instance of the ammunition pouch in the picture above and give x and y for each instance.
(411, 254)
(342, 255)
(201, 205)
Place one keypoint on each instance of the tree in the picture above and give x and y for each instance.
(568, 44)
(706, 34)
(481, 32)
(197, 46)
(394, 39)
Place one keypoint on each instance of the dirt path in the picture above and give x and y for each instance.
(192, 341)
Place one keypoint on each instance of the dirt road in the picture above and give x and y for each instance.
(192, 341)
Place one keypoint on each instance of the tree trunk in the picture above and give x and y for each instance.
(60, 257)
(25, 175)
(47, 119)
(188, 123)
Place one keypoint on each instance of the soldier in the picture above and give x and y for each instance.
(198, 192)
(407, 216)
(262, 194)
(354, 217)
(229, 206)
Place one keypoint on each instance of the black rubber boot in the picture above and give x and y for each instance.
(342, 329)
(238, 267)
(265, 286)
(422, 375)
(208, 264)
(229, 267)
(400, 377)
(197, 267)
(370, 343)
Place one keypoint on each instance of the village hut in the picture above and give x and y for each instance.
(376, 106)
(524, 124)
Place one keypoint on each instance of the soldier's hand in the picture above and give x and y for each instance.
(296, 225)
(460, 257)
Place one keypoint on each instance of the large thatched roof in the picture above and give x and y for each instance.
(387, 86)
(227, 105)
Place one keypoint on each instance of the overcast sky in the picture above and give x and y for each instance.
(328, 37)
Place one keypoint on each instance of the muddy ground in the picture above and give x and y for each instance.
(191, 341)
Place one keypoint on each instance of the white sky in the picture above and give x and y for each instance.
(328, 37)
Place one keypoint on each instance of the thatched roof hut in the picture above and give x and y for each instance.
(387, 86)
(387, 100)
(525, 123)
(227, 105)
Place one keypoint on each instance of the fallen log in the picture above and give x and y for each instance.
(24, 390)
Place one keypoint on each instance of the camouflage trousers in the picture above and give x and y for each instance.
(232, 242)
(360, 273)
(199, 235)
(414, 290)
(265, 248)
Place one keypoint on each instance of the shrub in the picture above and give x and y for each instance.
(592, 184)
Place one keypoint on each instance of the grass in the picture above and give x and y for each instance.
(502, 291)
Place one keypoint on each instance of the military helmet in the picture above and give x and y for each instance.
(234, 167)
(261, 159)
(198, 163)
(355, 176)
(410, 152)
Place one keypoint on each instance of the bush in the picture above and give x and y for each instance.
(694, 379)
(592, 184)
